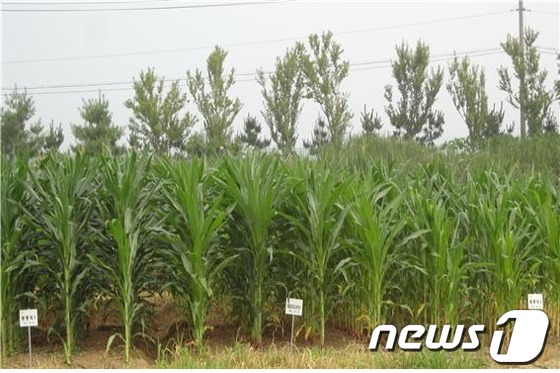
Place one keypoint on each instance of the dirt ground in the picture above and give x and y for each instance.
(163, 327)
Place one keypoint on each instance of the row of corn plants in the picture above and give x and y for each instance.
(362, 241)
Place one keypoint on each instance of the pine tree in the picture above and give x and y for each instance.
(53, 139)
(319, 138)
(98, 134)
(17, 111)
(371, 122)
(251, 132)
(19, 137)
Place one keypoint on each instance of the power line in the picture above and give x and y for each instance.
(545, 12)
(84, 2)
(551, 52)
(101, 84)
(423, 23)
(249, 43)
(548, 49)
(172, 7)
(250, 76)
(245, 74)
(385, 63)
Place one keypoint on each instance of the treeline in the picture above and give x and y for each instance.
(313, 71)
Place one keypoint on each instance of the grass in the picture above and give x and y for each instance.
(243, 356)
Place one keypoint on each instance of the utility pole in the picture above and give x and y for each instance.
(521, 72)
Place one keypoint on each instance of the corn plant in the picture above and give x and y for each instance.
(505, 240)
(60, 189)
(194, 260)
(127, 207)
(13, 257)
(319, 221)
(254, 185)
(543, 206)
(440, 254)
(375, 229)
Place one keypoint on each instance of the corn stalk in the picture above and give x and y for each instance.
(12, 257)
(376, 227)
(254, 185)
(320, 220)
(127, 206)
(194, 260)
(61, 190)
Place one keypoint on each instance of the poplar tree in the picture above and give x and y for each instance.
(533, 98)
(413, 114)
(282, 92)
(324, 71)
(157, 124)
(467, 87)
(211, 96)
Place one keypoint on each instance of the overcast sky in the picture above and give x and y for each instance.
(80, 50)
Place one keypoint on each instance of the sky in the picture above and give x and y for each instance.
(64, 57)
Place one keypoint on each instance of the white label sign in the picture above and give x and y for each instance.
(294, 307)
(535, 301)
(28, 318)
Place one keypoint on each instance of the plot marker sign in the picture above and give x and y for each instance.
(294, 307)
(535, 301)
(27, 319)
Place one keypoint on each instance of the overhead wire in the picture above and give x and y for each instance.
(545, 12)
(84, 2)
(247, 76)
(256, 42)
(359, 66)
(171, 7)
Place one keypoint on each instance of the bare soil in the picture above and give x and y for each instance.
(167, 327)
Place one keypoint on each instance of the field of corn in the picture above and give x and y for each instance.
(363, 241)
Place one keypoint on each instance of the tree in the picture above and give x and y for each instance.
(251, 132)
(18, 135)
(35, 140)
(196, 145)
(157, 124)
(97, 134)
(324, 72)
(533, 98)
(319, 137)
(558, 81)
(371, 122)
(53, 138)
(283, 99)
(218, 110)
(413, 114)
(467, 87)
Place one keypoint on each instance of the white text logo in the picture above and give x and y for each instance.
(526, 344)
